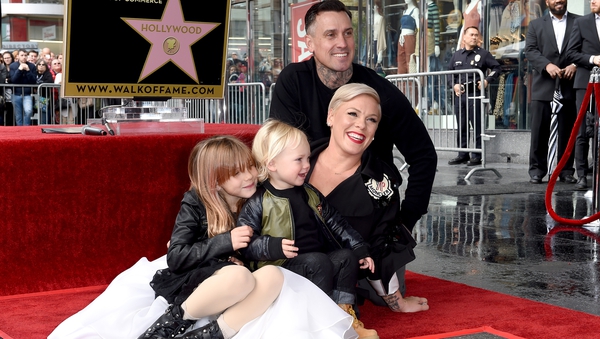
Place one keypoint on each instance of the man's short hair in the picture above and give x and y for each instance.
(473, 27)
(324, 6)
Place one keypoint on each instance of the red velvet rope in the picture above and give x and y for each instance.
(552, 181)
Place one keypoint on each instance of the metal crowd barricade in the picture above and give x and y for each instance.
(245, 103)
(211, 110)
(9, 92)
(271, 89)
(411, 87)
(431, 94)
(53, 109)
(49, 105)
(46, 106)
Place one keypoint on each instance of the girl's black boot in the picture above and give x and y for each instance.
(209, 331)
(169, 325)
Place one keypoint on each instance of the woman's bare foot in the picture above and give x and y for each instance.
(405, 305)
(414, 304)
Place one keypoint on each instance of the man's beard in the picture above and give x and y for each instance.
(561, 12)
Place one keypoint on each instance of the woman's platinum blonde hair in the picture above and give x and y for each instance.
(351, 91)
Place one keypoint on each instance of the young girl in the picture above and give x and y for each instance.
(294, 227)
(204, 278)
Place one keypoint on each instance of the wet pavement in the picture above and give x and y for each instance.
(508, 243)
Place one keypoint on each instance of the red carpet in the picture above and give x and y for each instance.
(471, 331)
(454, 307)
(35, 315)
(77, 209)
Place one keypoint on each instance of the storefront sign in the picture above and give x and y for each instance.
(13, 45)
(299, 50)
(145, 48)
(49, 33)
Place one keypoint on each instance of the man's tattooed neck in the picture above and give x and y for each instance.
(333, 79)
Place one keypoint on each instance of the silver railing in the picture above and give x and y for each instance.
(431, 94)
(245, 103)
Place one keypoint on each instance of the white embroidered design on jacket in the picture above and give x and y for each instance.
(380, 190)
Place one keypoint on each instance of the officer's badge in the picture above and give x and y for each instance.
(477, 58)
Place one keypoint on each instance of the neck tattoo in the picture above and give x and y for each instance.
(333, 79)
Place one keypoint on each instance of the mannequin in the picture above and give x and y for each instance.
(510, 25)
(433, 51)
(471, 17)
(379, 32)
(407, 41)
(433, 28)
(379, 38)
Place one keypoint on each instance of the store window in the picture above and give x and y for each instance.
(417, 36)
(267, 49)
(47, 33)
(5, 30)
(507, 28)
(237, 46)
(422, 36)
(503, 27)
(256, 39)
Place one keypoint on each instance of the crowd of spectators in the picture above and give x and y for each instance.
(19, 103)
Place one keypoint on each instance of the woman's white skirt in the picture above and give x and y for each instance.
(127, 308)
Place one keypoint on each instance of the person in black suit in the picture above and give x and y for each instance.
(545, 49)
(584, 50)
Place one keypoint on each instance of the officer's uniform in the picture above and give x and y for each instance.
(477, 58)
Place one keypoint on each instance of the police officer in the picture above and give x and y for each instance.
(468, 85)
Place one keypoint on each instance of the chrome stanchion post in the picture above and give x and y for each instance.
(594, 79)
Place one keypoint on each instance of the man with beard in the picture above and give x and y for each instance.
(304, 90)
(467, 85)
(583, 50)
(545, 49)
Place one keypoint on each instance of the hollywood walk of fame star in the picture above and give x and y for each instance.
(171, 39)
